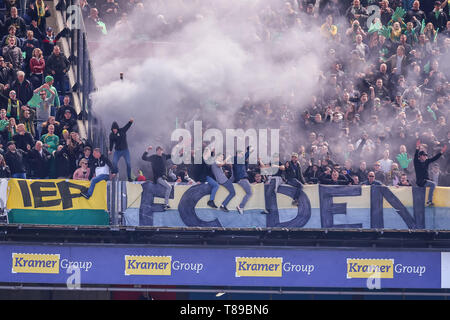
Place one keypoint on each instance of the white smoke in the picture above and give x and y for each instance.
(218, 58)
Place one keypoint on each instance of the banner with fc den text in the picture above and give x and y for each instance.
(56, 202)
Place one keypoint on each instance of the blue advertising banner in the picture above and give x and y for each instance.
(197, 266)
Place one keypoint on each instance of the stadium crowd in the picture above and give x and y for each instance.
(382, 102)
(38, 124)
(382, 87)
(381, 107)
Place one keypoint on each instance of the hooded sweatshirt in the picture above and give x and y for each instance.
(120, 138)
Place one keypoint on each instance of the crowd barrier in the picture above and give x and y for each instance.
(54, 202)
(141, 204)
(320, 206)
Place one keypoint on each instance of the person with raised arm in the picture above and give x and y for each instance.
(421, 164)
(159, 169)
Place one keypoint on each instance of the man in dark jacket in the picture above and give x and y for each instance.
(437, 17)
(22, 87)
(421, 163)
(336, 179)
(371, 181)
(159, 169)
(18, 22)
(415, 12)
(15, 159)
(57, 65)
(39, 161)
(294, 176)
(6, 73)
(13, 54)
(62, 110)
(62, 163)
(118, 138)
(23, 139)
(68, 123)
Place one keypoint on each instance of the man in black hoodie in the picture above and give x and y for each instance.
(118, 137)
(421, 163)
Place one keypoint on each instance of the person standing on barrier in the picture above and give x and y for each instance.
(159, 169)
(294, 176)
(209, 176)
(118, 139)
(104, 170)
(421, 163)
(222, 179)
(273, 171)
(241, 177)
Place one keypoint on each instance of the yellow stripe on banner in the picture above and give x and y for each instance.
(404, 194)
(441, 197)
(54, 195)
(134, 192)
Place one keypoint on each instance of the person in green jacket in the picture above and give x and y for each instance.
(50, 140)
(403, 159)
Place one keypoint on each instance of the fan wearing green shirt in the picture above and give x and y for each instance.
(50, 140)
(34, 102)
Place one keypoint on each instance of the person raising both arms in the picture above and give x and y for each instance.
(421, 164)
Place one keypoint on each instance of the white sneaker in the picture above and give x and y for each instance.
(240, 210)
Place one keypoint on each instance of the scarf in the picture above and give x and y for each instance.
(11, 133)
(395, 35)
(8, 112)
(28, 126)
(40, 7)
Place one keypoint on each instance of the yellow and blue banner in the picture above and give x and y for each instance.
(56, 202)
(320, 206)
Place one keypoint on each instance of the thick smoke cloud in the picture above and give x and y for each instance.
(202, 68)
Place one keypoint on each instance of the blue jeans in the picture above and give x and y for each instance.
(432, 185)
(19, 175)
(39, 129)
(214, 185)
(96, 180)
(229, 186)
(245, 184)
(126, 155)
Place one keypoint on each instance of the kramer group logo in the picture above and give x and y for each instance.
(35, 263)
(148, 265)
(365, 268)
(259, 267)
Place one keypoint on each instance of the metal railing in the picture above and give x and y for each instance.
(84, 77)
